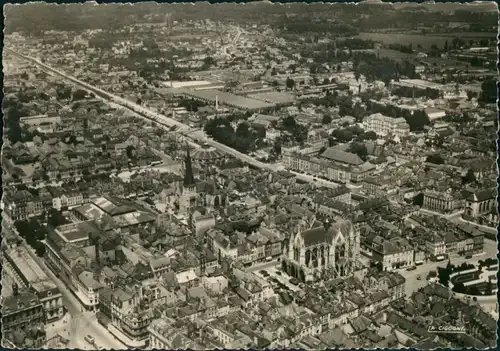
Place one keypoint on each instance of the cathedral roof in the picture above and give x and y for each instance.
(318, 235)
(343, 226)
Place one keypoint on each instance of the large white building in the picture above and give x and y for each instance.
(384, 125)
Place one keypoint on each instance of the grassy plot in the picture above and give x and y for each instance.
(465, 35)
(425, 41)
(405, 39)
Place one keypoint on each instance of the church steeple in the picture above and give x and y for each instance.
(188, 170)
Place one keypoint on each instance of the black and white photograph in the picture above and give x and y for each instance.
(254, 175)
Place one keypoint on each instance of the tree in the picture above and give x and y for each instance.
(435, 158)
(459, 288)
(289, 123)
(471, 95)
(444, 275)
(243, 130)
(208, 62)
(469, 177)
(290, 83)
(12, 118)
(378, 265)
(40, 249)
(417, 121)
(55, 218)
(277, 148)
(342, 135)
(327, 119)
(370, 135)
(44, 96)
(488, 91)
(273, 71)
(63, 93)
(446, 46)
(130, 150)
(358, 149)
(489, 288)
(79, 94)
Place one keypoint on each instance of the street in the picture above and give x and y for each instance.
(283, 277)
(481, 227)
(315, 180)
(80, 323)
(266, 266)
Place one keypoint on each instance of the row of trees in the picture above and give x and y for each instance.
(298, 131)
(488, 93)
(301, 26)
(15, 111)
(242, 139)
(33, 232)
(375, 68)
(352, 133)
(408, 92)
(191, 105)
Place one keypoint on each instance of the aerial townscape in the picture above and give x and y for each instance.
(208, 176)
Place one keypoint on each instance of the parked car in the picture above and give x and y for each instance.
(89, 339)
(278, 272)
(468, 257)
(294, 281)
(412, 268)
(419, 277)
(264, 273)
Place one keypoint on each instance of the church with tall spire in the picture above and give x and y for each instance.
(188, 197)
(194, 195)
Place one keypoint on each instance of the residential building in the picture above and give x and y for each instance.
(436, 245)
(393, 254)
(23, 312)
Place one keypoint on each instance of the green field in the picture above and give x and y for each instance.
(426, 41)
(465, 35)
(401, 56)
